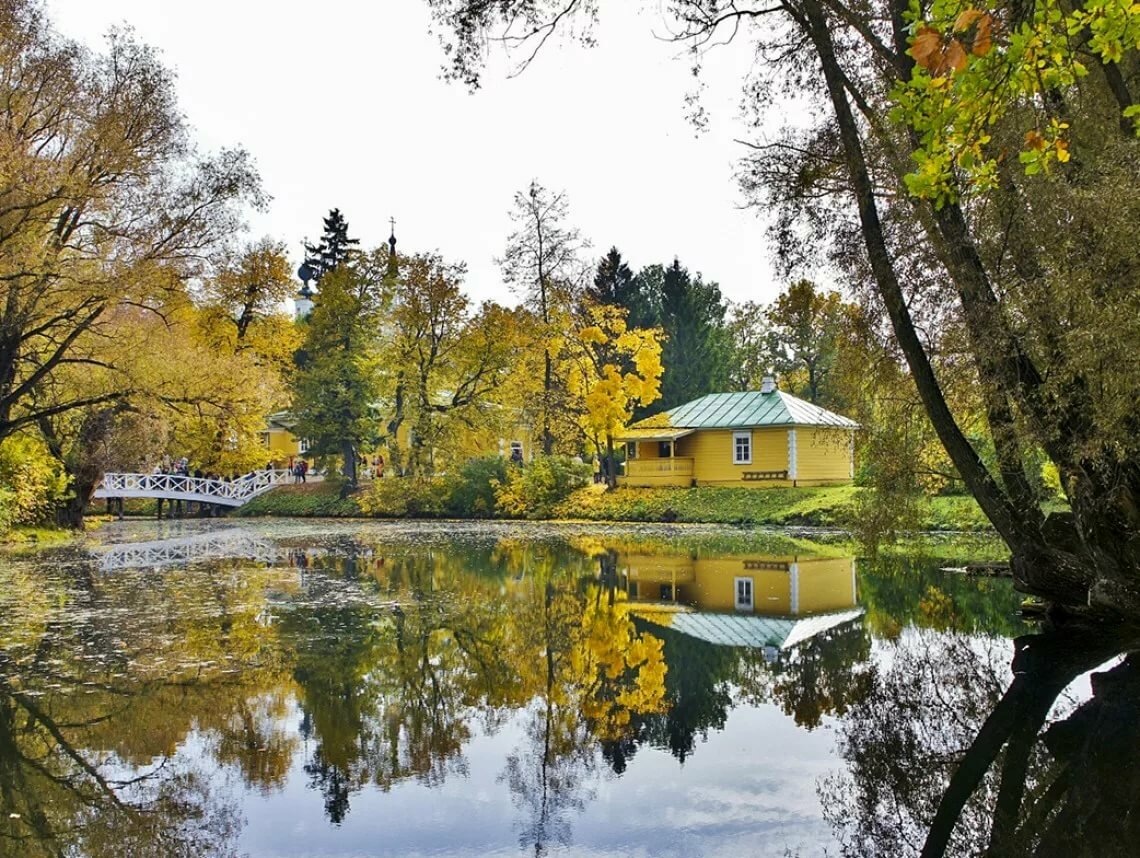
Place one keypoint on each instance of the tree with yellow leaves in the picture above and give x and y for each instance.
(612, 368)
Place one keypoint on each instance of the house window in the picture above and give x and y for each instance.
(265, 440)
(665, 449)
(742, 448)
(667, 592)
(516, 451)
(743, 594)
(631, 449)
(305, 443)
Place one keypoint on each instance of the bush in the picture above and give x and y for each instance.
(533, 490)
(473, 492)
(31, 481)
(403, 497)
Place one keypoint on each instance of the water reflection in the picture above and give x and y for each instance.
(149, 699)
(946, 756)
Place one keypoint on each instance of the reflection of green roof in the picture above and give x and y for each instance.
(745, 411)
(751, 631)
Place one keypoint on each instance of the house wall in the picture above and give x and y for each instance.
(281, 446)
(712, 452)
(823, 456)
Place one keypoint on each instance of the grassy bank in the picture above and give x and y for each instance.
(832, 507)
(304, 500)
(807, 507)
(34, 537)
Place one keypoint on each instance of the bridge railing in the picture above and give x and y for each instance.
(240, 489)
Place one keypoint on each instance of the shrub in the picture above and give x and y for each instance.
(533, 490)
(400, 497)
(31, 481)
(473, 492)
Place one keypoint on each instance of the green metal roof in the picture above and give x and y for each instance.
(746, 411)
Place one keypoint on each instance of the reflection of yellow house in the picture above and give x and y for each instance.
(759, 438)
(753, 584)
(754, 601)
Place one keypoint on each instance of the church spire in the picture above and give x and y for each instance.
(393, 265)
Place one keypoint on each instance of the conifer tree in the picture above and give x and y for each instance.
(333, 247)
(337, 381)
(696, 345)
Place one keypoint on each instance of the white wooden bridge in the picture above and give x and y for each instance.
(195, 489)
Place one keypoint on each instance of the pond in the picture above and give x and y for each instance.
(320, 688)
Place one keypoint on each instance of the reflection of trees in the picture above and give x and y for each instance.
(698, 692)
(101, 682)
(943, 759)
(592, 675)
(824, 675)
(900, 591)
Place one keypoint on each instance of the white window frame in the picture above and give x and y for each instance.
(303, 444)
(736, 460)
(631, 449)
(749, 603)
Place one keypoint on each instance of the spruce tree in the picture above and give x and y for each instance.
(333, 247)
(696, 349)
(613, 281)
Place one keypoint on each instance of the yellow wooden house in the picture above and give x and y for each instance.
(759, 438)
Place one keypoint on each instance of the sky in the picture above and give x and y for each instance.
(342, 105)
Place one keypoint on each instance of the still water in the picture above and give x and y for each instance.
(288, 689)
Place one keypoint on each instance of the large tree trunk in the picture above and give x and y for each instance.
(1091, 560)
(348, 452)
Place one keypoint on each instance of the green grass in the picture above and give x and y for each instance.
(828, 507)
(304, 500)
(22, 537)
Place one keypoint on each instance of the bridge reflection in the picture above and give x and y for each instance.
(235, 543)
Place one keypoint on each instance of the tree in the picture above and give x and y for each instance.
(805, 325)
(613, 281)
(184, 390)
(613, 368)
(333, 248)
(104, 204)
(337, 387)
(909, 177)
(542, 260)
(696, 344)
(250, 285)
(750, 346)
(450, 362)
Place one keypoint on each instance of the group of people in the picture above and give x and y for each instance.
(299, 469)
(373, 469)
(178, 467)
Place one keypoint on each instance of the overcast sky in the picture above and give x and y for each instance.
(341, 104)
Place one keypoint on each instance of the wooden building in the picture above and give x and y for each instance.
(759, 438)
